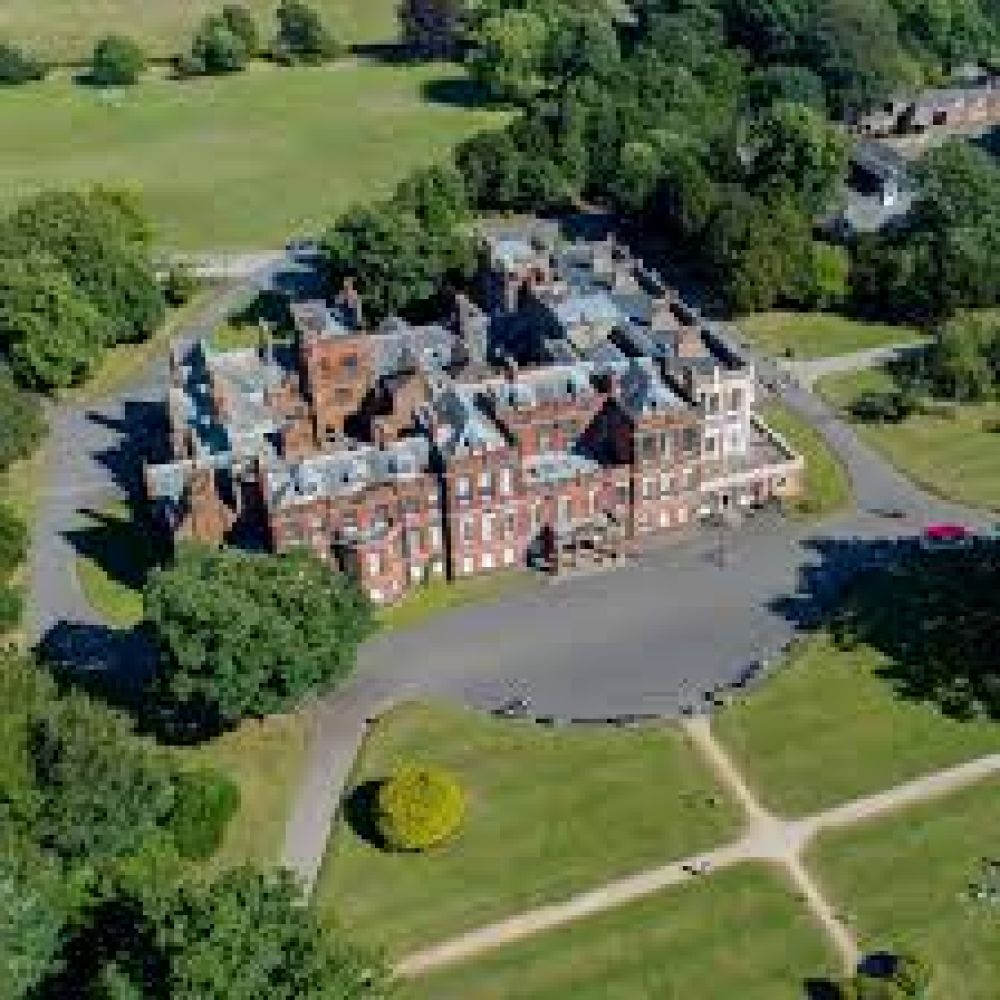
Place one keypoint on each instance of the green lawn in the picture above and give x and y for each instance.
(67, 29)
(819, 335)
(114, 555)
(903, 880)
(441, 595)
(738, 935)
(550, 812)
(240, 161)
(826, 728)
(949, 452)
(827, 485)
(265, 759)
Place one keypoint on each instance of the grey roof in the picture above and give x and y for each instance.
(643, 391)
(342, 473)
(554, 384)
(460, 426)
(880, 160)
(397, 345)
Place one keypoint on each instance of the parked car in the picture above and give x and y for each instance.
(945, 535)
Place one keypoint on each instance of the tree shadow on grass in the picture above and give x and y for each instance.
(457, 92)
(361, 813)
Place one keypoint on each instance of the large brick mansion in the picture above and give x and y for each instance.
(582, 406)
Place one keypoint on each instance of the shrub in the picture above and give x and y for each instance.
(419, 807)
(22, 424)
(18, 67)
(11, 607)
(179, 285)
(302, 36)
(117, 62)
(204, 803)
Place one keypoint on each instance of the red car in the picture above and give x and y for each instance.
(946, 535)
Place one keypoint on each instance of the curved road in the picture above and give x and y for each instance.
(646, 638)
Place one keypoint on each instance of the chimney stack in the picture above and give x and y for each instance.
(351, 299)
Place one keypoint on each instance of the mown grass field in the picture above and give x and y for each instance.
(827, 486)
(819, 335)
(827, 728)
(903, 883)
(550, 812)
(953, 453)
(67, 29)
(740, 933)
(238, 162)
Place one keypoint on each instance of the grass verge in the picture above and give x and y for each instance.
(550, 812)
(818, 335)
(827, 487)
(738, 933)
(951, 451)
(114, 556)
(904, 881)
(244, 160)
(438, 596)
(265, 759)
(827, 728)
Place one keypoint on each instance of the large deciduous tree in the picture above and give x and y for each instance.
(51, 332)
(247, 635)
(22, 423)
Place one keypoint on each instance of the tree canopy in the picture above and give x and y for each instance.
(247, 635)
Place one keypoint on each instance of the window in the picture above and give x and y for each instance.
(647, 447)
(592, 503)
(462, 487)
(434, 536)
(736, 400)
(565, 510)
(647, 489)
(413, 540)
(536, 517)
(487, 532)
(468, 529)
(622, 493)
(665, 446)
(710, 444)
(485, 483)
(689, 440)
(510, 524)
(713, 402)
(374, 563)
(506, 480)
(666, 484)
(544, 440)
(349, 362)
(380, 518)
(343, 395)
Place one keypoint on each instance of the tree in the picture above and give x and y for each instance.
(839, 46)
(240, 21)
(419, 807)
(433, 29)
(50, 331)
(794, 84)
(794, 148)
(30, 923)
(216, 49)
(964, 362)
(98, 239)
(247, 936)
(204, 803)
(118, 61)
(17, 67)
(638, 175)
(13, 541)
(509, 55)
(771, 29)
(244, 634)
(11, 607)
(824, 282)
(101, 794)
(302, 36)
(22, 424)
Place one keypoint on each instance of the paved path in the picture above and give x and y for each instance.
(767, 838)
(809, 371)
